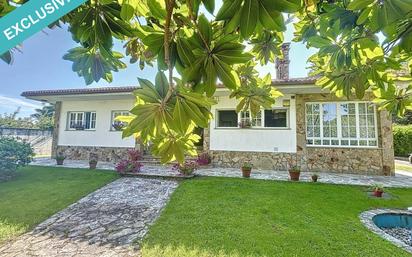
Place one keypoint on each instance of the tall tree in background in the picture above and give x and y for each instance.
(207, 48)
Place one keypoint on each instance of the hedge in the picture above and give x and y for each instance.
(402, 140)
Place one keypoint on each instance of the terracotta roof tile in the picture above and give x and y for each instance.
(80, 91)
(128, 89)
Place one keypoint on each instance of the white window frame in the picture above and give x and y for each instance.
(123, 113)
(262, 117)
(339, 127)
(83, 120)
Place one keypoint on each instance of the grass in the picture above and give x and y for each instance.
(403, 167)
(238, 218)
(38, 192)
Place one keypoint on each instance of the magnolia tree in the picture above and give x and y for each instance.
(362, 44)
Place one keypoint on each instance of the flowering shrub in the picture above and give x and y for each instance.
(131, 164)
(203, 159)
(187, 168)
(134, 155)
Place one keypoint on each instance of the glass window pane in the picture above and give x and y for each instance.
(87, 120)
(276, 118)
(372, 143)
(354, 142)
(344, 142)
(310, 142)
(363, 143)
(317, 131)
(227, 118)
(318, 142)
(335, 142)
(326, 142)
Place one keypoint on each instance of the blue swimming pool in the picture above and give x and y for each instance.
(392, 220)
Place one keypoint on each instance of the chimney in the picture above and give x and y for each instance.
(282, 65)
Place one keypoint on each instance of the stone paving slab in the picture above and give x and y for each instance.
(400, 180)
(329, 178)
(104, 223)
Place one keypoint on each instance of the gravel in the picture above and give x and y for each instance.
(403, 234)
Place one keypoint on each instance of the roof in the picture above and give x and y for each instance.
(129, 89)
(80, 91)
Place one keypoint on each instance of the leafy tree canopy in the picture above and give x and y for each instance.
(360, 43)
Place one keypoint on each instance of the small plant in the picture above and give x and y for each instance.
(295, 168)
(245, 124)
(246, 169)
(378, 190)
(131, 164)
(187, 168)
(203, 159)
(315, 177)
(60, 157)
(119, 125)
(294, 173)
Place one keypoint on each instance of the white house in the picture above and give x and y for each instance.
(306, 127)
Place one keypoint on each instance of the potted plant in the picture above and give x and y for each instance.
(187, 168)
(246, 169)
(118, 125)
(294, 173)
(378, 190)
(60, 158)
(315, 177)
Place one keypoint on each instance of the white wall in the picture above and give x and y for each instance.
(253, 139)
(102, 135)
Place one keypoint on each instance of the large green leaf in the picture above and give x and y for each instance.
(250, 14)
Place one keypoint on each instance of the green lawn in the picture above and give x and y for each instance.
(403, 167)
(38, 192)
(238, 217)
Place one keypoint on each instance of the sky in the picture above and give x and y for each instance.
(40, 66)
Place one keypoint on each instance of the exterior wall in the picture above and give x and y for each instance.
(344, 159)
(267, 140)
(102, 136)
(106, 154)
(234, 146)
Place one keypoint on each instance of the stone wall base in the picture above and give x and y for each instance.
(260, 160)
(344, 160)
(106, 154)
(334, 160)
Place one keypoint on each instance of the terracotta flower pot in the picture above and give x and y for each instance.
(246, 172)
(294, 175)
(92, 165)
(59, 161)
(378, 193)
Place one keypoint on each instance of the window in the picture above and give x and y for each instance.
(227, 119)
(82, 120)
(277, 118)
(341, 124)
(246, 118)
(118, 125)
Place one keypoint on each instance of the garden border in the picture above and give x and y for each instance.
(366, 218)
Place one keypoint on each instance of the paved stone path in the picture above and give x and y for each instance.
(104, 223)
(400, 180)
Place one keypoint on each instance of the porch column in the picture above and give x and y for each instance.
(386, 143)
(301, 133)
(206, 139)
(57, 115)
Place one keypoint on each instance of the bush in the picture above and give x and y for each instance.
(402, 140)
(13, 154)
(131, 164)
